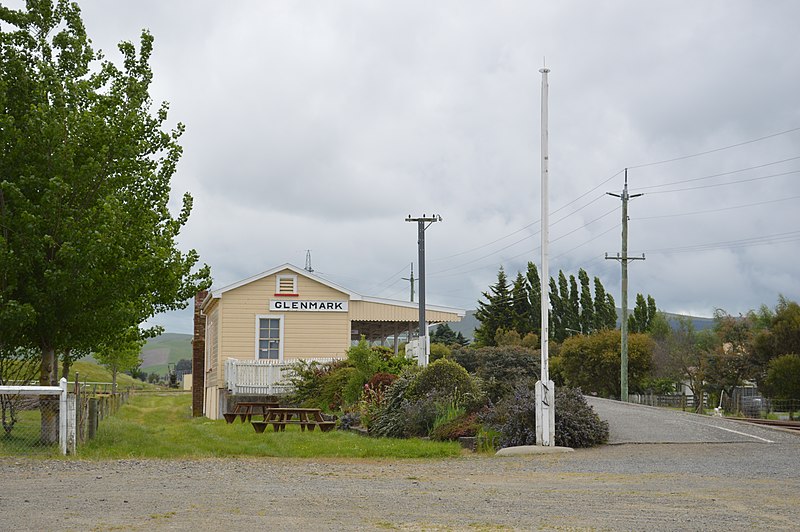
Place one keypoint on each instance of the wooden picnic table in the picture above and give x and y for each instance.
(247, 409)
(305, 417)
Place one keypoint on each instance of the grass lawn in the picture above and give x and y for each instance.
(155, 425)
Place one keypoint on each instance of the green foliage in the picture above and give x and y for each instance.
(161, 426)
(521, 306)
(496, 312)
(783, 377)
(121, 353)
(390, 419)
(643, 316)
(88, 244)
(499, 369)
(576, 423)
(457, 426)
(443, 334)
(592, 362)
(320, 385)
(447, 379)
(777, 333)
(367, 361)
(440, 351)
(504, 338)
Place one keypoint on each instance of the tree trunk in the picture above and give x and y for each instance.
(66, 364)
(48, 404)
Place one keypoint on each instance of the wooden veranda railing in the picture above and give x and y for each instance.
(261, 377)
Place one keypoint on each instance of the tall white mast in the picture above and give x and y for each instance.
(545, 393)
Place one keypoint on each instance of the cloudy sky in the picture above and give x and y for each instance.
(321, 125)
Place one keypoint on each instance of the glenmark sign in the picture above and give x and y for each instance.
(280, 305)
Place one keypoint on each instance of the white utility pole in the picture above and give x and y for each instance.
(545, 391)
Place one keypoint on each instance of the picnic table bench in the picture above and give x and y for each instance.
(247, 409)
(309, 418)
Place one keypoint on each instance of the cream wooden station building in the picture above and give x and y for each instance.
(257, 327)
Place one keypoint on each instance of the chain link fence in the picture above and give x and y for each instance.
(25, 433)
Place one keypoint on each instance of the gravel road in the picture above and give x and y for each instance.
(723, 486)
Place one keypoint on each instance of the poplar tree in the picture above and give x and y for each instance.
(88, 244)
(521, 306)
(535, 298)
(586, 303)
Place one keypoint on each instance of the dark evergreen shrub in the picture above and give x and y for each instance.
(576, 424)
(499, 368)
(389, 419)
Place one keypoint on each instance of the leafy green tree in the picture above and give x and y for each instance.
(783, 378)
(592, 362)
(777, 333)
(496, 312)
(121, 354)
(573, 314)
(88, 244)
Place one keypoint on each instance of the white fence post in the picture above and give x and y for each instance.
(66, 420)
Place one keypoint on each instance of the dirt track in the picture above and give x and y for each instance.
(628, 487)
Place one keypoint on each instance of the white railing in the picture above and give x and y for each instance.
(262, 377)
(66, 409)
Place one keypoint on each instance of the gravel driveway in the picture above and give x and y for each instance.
(733, 486)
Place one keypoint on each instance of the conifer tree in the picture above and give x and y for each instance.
(496, 312)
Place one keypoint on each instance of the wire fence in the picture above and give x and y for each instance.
(30, 422)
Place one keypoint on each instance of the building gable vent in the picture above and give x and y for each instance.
(286, 285)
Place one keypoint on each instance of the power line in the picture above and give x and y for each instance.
(716, 149)
(761, 178)
(733, 207)
(778, 238)
(718, 175)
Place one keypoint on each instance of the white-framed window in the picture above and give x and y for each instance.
(212, 340)
(269, 337)
(286, 285)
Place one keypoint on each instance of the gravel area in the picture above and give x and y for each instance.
(719, 486)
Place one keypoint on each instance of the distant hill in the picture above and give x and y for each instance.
(165, 349)
(469, 322)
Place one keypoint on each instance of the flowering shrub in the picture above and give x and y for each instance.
(576, 423)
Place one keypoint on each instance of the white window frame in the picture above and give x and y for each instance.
(212, 333)
(281, 339)
(279, 278)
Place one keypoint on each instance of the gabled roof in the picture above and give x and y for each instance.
(216, 293)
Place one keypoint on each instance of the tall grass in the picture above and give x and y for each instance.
(161, 426)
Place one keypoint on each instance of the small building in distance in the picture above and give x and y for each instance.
(286, 314)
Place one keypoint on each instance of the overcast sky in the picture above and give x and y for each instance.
(321, 125)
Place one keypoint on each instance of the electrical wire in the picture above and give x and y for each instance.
(716, 149)
(733, 207)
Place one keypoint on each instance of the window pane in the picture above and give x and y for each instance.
(274, 333)
(274, 324)
(263, 344)
(273, 344)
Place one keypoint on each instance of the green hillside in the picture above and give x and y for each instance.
(91, 372)
(167, 348)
